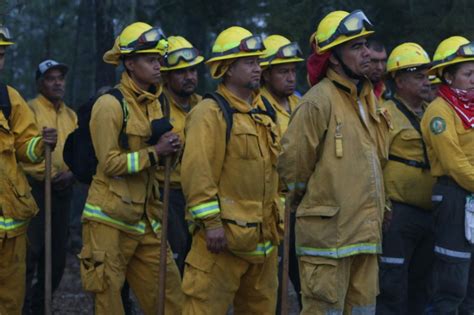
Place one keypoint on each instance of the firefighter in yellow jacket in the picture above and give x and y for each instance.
(20, 141)
(447, 127)
(121, 218)
(331, 162)
(231, 187)
(279, 76)
(180, 78)
(278, 65)
(405, 264)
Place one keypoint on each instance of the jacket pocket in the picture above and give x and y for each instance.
(19, 202)
(122, 204)
(92, 265)
(244, 143)
(198, 281)
(317, 226)
(241, 238)
(319, 278)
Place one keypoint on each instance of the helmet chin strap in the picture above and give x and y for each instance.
(351, 74)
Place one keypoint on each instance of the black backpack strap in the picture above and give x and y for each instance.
(165, 105)
(5, 104)
(269, 110)
(226, 109)
(123, 139)
(416, 124)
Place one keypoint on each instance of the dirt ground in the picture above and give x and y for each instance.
(70, 299)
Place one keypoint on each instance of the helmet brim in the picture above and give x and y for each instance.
(278, 61)
(241, 54)
(437, 69)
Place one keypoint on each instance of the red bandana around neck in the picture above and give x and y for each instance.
(317, 65)
(462, 101)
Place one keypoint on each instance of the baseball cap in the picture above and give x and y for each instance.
(48, 64)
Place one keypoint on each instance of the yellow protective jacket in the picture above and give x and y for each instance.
(64, 120)
(405, 183)
(331, 161)
(450, 145)
(20, 141)
(178, 120)
(233, 184)
(124, 192)
(283, 117)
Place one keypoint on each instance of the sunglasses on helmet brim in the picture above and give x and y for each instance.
(249, 44)
(153, 38)
(351, 25)
(186, 54)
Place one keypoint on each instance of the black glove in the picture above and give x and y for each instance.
(158, 128)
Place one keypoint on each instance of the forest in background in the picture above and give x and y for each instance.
(78, 32)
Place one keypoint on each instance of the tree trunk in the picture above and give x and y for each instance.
(104, 39)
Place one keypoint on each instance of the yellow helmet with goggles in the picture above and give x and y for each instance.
(339, 27)
(279, 49)
(407, 57)
(236, 42)
(140, 37)
(450, 51)
(181, 54)
(5, 36)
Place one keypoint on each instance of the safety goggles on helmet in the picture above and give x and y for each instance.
(5, 33)
(186, 54)
(153, 38)
(352, 24)
(466, 50)
(249, 44)
(290, 50)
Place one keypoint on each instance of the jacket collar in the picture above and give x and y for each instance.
(45, 102)
(131, 89)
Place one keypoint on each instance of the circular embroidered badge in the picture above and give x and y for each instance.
(437, 125)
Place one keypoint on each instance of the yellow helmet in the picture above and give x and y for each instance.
(181, 54)
(5, 36)
(339, 27)
(279, 49)
(450, 51)
(407, 56)
(236, 42)
(140, 37)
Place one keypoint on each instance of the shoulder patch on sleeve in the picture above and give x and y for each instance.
(437, 125)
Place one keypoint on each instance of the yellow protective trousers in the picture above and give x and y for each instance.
(339, 286)
(213, 282)
(12, 274)
(109, 256)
